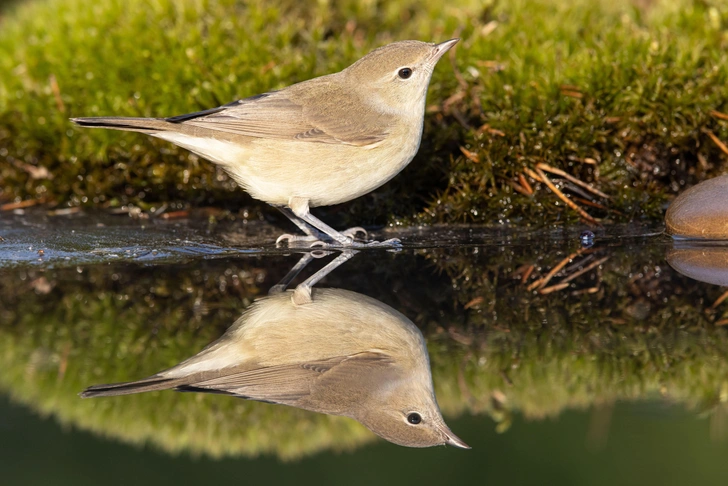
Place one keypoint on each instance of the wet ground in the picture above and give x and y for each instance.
(559, 360)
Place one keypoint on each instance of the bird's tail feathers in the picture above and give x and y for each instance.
(148, 384)
(132, 124)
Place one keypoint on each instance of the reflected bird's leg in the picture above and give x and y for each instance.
(293, 273)
(302, 294)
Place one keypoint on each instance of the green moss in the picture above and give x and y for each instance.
(629, 85)
(647, 334)
(629, 88)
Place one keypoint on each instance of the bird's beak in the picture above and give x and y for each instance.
(443, 47)
(453, 439)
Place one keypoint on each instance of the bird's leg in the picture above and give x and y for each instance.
(313, 235)
(302, 294)
(300, 209)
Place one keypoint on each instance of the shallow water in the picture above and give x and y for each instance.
(557, 363)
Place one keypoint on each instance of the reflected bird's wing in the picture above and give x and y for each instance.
(303, 384)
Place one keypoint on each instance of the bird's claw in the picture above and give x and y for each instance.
(394, 244)
(291, 240)
(352, 232)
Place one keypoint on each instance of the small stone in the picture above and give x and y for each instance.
(701, 211)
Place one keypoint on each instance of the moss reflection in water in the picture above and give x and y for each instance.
(647, 333)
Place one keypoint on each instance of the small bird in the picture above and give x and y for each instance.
(320, 142)
(325, 350)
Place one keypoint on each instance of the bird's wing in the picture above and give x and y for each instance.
(321, 112)
(288, 384)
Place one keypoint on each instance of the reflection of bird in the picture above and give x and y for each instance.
(339, 353)
(320, 142)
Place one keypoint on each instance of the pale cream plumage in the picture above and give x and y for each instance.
(339, 353)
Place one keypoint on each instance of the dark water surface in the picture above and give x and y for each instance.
(558, 364)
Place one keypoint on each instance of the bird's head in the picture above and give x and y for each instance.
(396, 76)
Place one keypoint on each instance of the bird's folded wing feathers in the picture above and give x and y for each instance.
(288, 383)
(335, 117)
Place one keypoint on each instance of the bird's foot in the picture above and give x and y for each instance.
(297, 241)
(323, 240)
(392, 244)
(352, 232)
(347, 239)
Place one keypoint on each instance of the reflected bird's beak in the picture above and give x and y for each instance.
(453, 440)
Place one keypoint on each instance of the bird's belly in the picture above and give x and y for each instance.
(324, 174)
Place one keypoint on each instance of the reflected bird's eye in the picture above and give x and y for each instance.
(405, 73)
(414, 418)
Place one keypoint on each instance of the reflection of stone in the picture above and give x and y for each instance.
(705, 263)
(325, 350)
(701, 211)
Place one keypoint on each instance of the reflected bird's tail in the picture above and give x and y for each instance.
(149, 384)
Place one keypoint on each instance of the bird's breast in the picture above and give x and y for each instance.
(324, 173)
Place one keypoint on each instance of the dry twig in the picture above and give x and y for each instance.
(471, 156)
(541, 283)
(532, 175)
(553, 288)
(22, 204)
(716, 140)
(571, 178)
(585, 269)
(525, 184)
(566, 200)
(720, 299)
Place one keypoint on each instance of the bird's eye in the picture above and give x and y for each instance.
(405, 73)
(414, 418)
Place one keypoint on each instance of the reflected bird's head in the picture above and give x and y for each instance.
(410, 417)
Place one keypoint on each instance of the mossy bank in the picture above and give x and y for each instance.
(629, 96)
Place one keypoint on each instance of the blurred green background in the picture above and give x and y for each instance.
(645, 444)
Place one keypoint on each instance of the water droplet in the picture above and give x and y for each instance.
(587, 239)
